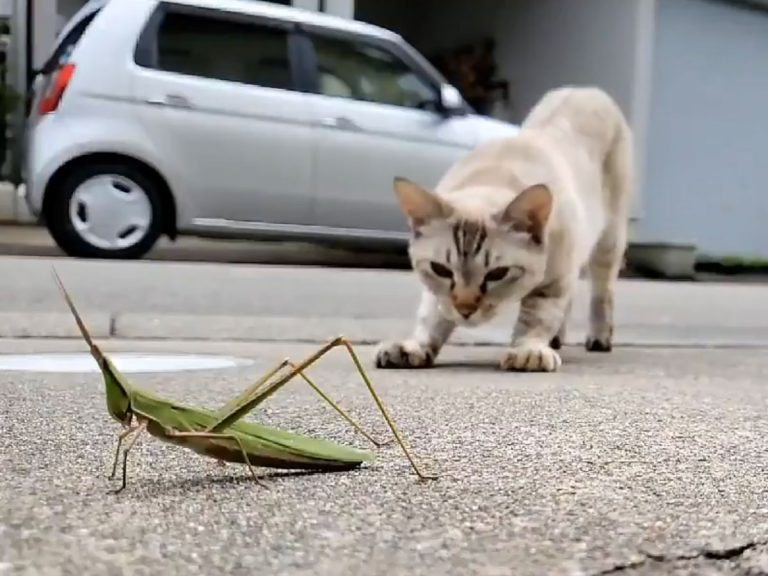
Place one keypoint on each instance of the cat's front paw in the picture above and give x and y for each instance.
(531, 357)
(406, 354)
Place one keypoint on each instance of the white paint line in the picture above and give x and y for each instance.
(125, 362)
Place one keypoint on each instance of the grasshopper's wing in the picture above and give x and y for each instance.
(264, 445)
(298, 450)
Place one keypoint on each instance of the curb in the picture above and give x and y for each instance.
(35, 241)
(53, 325)
(7, 203)
(360, 331)
(13, 209)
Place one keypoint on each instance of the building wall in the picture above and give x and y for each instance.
(45, 25)
(540, 45)
(66, 9)
(706, 171)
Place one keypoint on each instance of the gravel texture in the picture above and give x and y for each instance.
(635, 462)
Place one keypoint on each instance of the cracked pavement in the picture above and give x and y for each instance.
(749, 558)
(641, 461)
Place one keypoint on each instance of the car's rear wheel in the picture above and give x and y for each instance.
(106, 210)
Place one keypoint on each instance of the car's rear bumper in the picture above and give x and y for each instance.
(43, 149)
(51, 142)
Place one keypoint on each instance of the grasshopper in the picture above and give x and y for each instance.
(223, 435)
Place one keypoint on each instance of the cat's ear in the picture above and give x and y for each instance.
(419, 205)
(529, 212)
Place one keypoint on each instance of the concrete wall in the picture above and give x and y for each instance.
(48, 18)
(402, 16)
(706, 171)
(67, 8)
(343, 8)
(542, 44)
(307, 4)
(45, 25)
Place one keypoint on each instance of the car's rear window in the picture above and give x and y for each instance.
(63, 50)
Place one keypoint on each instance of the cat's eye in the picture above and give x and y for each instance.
(497, 274)
(441, 270)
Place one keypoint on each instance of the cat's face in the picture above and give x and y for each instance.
(474, 265)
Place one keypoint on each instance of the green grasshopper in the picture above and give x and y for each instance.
(223, 435)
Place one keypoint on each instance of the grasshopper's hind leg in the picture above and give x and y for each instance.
(331, 402)
(264, 389)
(341, 341)
(252, 390)
(264, 383)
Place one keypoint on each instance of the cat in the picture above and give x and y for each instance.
(515, 221)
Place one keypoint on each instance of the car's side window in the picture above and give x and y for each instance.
(224, 49)
(362, 71)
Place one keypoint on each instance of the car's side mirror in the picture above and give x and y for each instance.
(451, 101)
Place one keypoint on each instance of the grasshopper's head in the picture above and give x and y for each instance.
(118, 398)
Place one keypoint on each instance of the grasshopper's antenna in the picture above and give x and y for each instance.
(95, 352)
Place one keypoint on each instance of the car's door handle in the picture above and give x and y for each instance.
(340, 123)
(171, 100)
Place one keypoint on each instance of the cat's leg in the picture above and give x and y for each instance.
(604, 266)
(542, 316)
(429, 335)
(608, 255)
(559, 340)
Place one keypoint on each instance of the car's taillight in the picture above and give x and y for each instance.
(61, 79)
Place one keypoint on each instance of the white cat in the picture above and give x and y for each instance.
(515, 221)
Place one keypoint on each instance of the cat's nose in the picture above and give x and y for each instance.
(466, 312)
(466, 302)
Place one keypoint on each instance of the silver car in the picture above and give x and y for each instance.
(234, 118)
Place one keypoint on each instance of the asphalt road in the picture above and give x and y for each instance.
(648, 460)
(617, 460)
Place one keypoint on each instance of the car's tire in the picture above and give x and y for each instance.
(111, 210)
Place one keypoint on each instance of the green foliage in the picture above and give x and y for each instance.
(9, 97)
